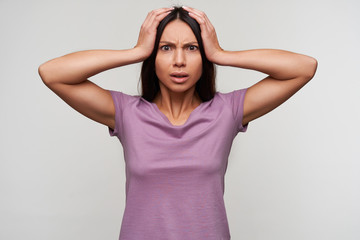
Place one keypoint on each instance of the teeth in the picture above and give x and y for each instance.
(179, 74)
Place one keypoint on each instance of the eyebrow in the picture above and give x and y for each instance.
(171, 43)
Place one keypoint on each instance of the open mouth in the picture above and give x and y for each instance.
(179, 77)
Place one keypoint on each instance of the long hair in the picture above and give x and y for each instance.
(205, 86)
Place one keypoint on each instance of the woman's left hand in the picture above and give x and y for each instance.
(208, 34)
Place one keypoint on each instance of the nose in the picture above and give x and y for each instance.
(179, 58)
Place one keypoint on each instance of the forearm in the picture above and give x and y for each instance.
(278, 64)
(76, 67)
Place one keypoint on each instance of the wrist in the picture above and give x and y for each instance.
(231, 58)
(141, 53)
(220, 57)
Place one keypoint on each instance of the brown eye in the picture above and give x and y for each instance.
(165, 48)
(193, 48)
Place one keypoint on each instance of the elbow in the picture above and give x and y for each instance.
(43, 71)
(310, 68)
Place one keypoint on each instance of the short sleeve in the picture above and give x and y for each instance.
(237, 101)
(120, 100)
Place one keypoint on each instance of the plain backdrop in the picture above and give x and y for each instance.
(295, 174)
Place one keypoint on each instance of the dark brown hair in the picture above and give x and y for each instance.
(205, 86)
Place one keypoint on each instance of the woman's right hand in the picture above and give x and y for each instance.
(147, 35)
(67, 75)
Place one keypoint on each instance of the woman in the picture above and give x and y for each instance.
(177, 136)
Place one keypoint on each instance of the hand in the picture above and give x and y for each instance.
(148, 29)
(208, 34)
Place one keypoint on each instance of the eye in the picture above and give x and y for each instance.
(193, 48)
(165, 47)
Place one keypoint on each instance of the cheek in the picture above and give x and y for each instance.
(160, 65)
(197, 66)
(195, 60)
(157, 66)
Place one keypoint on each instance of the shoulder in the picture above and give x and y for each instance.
(122, 100)
(121, 96)
(232, 97)
(234, 100)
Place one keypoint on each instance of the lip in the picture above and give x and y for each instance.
(179, 80)
(182, 79)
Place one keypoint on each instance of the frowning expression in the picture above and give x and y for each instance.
(178, 63)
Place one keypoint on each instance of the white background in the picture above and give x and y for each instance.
(295, 173)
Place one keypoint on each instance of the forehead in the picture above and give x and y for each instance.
(177, 30)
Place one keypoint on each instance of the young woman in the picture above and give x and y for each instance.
(178, 134)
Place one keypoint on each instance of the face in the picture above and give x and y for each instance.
(178, 63)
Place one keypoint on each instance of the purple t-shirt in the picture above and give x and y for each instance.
(175, 174)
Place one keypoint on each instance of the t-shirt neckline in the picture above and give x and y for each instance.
(168, 121)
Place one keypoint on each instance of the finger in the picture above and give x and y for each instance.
(161, 14)
(190, 8)
(197, 16)
(153, 14)
(200, 17)
(150, 14)
(201, 20)
(160, 10)
(197, 12)
(156, 14)
(157, 19)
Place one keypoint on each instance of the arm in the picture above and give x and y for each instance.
(288, 71)
(67, 75)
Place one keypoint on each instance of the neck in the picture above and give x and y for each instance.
(177, 104)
